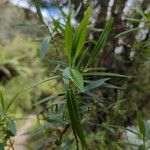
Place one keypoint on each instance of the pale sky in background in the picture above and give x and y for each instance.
(47, 13)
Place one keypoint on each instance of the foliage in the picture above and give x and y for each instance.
(7, 125)
(86, 105)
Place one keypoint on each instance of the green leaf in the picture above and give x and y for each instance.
(55, 118)
(48, 98)
(44, 46)
(101, 41)
(40, 82)
(1, 146)
(141, 123)
(95, 69)
(11, 127)
(28, 88)
(59, 27)
(66, 74)
(68, 40)
(105, 74)
(80, 35)
(75, 116)
(56, 103)
(57, 62)
(77, 78)
(112, 86)
(2, 100)
(94, 84)
(128, 31)
(12, 100)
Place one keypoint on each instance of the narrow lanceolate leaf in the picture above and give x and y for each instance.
(80, 35)
(75, 116)
(94, 84)
(44, 46)
(2, 101)
(128, 31)
(141, 124)
(40, 82)
(44, 100)
(112, 86)
(106, 74)
(101, 41)
(95, 69)
(77, 78)
(11, 127)
(68, 40)
(57, 62)
(12, 100)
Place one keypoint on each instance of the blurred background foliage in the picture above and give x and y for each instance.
(21, 34)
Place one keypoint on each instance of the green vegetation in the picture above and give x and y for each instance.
(81, 93)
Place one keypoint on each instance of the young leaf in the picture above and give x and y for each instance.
(68, 40)
(75, 116)
(44, 46)
(80, 35)
(11, 127)
(101, 41)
